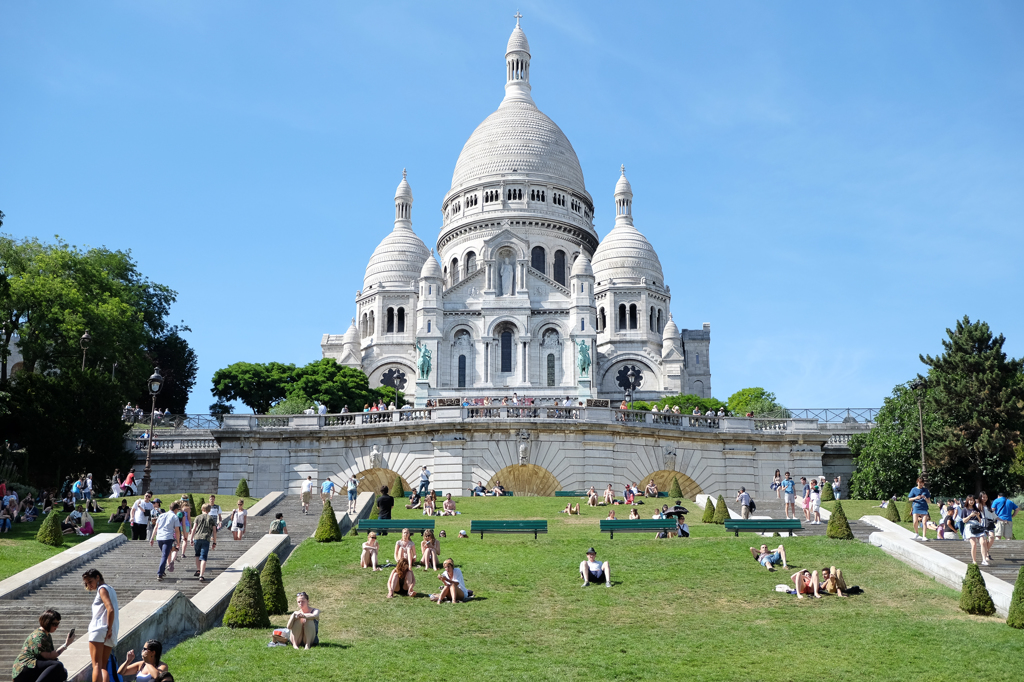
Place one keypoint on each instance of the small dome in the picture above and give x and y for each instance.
(626, 255)
(517, 41)
(430, 267)
(397, 260)
(671, 331)
(582, 268)
(404, 191)
(623, 186)
(352, 335)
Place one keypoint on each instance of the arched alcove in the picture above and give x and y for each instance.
(526, 480)
(371, 480)
(663, 479)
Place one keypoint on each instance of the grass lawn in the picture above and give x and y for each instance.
(694, 609)
(19, 548)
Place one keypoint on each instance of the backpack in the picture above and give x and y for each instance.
(753, 506)
(112, 666)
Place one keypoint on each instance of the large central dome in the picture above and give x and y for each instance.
(518, 138)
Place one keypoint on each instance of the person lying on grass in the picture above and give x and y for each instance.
(832, 581)
(369, 555)
(401, 581)
(430, 546)
(571, 509)
(453, 585)
(806, 582)
(593, 570)
(303, 623)
(405, 548)
(770, 558)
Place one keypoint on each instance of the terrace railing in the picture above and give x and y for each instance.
(830, 415)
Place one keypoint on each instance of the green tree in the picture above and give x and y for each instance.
(675, 491)
(247, 609)
(273, 586)
(178, 364)
(826, 491)
(977, 394)
(243, 488)
(125, 530)
(296, 403)
(721, 511)
(686, 403)
(1015, 616)
(974, 596)
(256, 385)
(756, 400)
(327, 529)
(50, 532)
(334, 385)
(888, 458)
(891, 512)
(838, 527)
(709, 511)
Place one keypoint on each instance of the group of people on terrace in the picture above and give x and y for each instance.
(786, 490)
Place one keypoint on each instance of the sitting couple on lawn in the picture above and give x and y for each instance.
(402, 582)
(830, 581)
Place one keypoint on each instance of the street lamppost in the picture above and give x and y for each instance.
(84, 343)
(918, 387)
(155, 383)
(634, 382)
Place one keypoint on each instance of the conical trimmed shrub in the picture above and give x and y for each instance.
(908, 512)
(49, 532)
(327, 529)
(196, 511)
(675, 492)
(125, 530)
(243, 488)
(721, 511)
(247, 608)
(398, 489)
(374, 512)
(892, 513)
(776, 534)
(838, 526)
(273, 587)
(709, 511)
(974, 596)
(1015, 618)
(826, 491)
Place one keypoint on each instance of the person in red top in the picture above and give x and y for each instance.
(129, 483)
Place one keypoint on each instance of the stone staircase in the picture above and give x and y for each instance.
(131, 568)
(776, 510)
(1007, 556)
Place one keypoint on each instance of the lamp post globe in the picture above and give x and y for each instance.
(155, 384)
(84, 342)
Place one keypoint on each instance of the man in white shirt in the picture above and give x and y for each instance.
(214, 511)
(307, 494)
(140, 516)
(424, 482)
(167, 534)
(322, 410)
(593, 570)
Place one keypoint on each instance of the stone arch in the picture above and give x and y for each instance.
(663, 479)
(527, 480)
(371, 480)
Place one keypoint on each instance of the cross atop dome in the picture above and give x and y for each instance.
(517, 16)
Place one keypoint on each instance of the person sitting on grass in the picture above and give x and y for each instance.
(449, 505)
(806, 582)
(29, 511)
(609, 495)
(571, 509)
(592, 497)
(770, 558)
(593, 570)
(369, 555)
(634, 514)
(627, 495)
(87, 524)
(150, 667)
(303, 623)
(430, 546)
(415, 501)
(498, 490)
(121, 513)
(406, 548)
(478, 490)
(651, 490)
(832, 581)
(682, 529)
(430, 504)
(402, 581)
(611, 515)
(5, 520)
(453, 585)
(73, 521)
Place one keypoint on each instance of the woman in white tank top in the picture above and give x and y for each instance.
(104, 624)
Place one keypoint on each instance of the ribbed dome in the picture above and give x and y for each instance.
(626, 255)
(352, 335)
(431, 268)
(404, 191)
(517, 41)
(582, 267)
(671, 331)
(518, 137)
(397, 260)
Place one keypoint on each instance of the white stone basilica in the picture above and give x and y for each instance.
(524, 288)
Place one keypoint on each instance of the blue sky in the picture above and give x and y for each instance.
(830, 185)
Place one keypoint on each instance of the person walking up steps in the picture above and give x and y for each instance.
(326, 492)
(166, 534)
(204, 534)
(307, 494)
(352, 486)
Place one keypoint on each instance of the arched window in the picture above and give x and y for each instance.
(455, 271)
(506, 351)
(401, 320)
(363, 327)
(470, 262)
(537, 259)
(373, 324)
(559, 272)
(602, 321)
(583, 324)
(391, 320)
(698, 358)
(632, 316)
(659, 320)
(462, 371)
(650, 320)
(622, 316)
(428, 326)
(551, 369)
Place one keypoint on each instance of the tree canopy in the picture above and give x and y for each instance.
(257, 385)
(288, 389)
(756, 400)
(686, 403)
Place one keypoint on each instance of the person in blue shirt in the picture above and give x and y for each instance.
(919, 497)
(789, 495)
(1005, 509)
(326, 491)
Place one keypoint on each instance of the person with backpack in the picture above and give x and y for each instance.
(278, 526)
(203, 537)
(744, 499)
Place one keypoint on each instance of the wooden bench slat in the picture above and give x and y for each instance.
(636, 526)
(414, 525)
(762, 525)
(534, 526)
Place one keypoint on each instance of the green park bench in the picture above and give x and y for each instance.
(534, 526)
(570, 493)
(763, 525)
(395, 525)
(614, 526)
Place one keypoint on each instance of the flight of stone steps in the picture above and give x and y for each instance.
(1007, 556)
(776, 510)
(131, 568)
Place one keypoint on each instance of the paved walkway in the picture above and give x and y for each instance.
(776, 509)
(1007, 555)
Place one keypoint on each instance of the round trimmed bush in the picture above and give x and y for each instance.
(709, 511)
(273, 587)
(243, 488)
(721, 511)
(327, 529)
(974, 596)
(49, 532)
(892, 513)
(1015, 618)
(247, 608)
(838, 527)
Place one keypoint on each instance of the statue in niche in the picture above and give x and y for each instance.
(524, 447)
(423, 364)
(506, 272)
(584, 358)
(376, 457)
